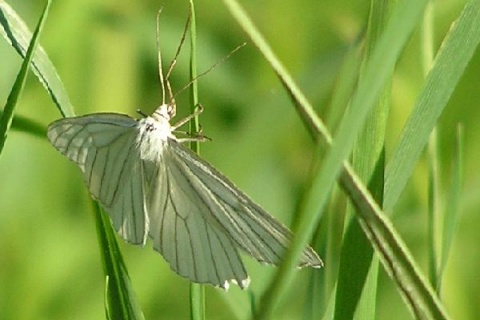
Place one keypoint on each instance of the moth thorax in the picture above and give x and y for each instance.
(152, 137)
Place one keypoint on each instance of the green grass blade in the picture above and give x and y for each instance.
(433, 170)
(394, 254)
(352, 276)
(24, 124)
(197, 291)
(452, 59)
(427, 38)
(334, 221)
(357, 278)
(15, 31)
(194, 124)
(8, 110)
(120, 299)
(453, 204)
(433, 210)
(329, 308)
(377, 71)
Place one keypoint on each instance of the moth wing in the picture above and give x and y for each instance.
(199, 220)
(103, 146)
(226, 208)
(191, 245)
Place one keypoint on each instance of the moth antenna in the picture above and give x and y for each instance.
(179, 48)
(210, 69)
(166, 86)
(160, 70)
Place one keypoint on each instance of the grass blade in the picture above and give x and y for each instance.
(453, 204)
(24, 124)
(452, 59)
(394, 254)
(197, 291)
(120, 299)
(376, 73)
(357, 278)
(8, 110)
(334, 221)
(16, 33)
(433, 209)
(433, 170)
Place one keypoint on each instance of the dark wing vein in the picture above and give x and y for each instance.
(193, 248)
(226, 207)
(103, 145)
(220, 209)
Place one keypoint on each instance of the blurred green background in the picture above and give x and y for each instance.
(106, 55)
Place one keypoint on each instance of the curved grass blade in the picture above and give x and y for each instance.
(388, 244)
(7, 115)
(120, 299)
(15, 31)
(453, 57)
(120, 296)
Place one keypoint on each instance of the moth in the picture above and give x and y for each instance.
(151, 185)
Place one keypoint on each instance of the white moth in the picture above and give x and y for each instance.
(151, 185)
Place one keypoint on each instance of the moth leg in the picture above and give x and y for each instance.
(196, 137)
(199, 109)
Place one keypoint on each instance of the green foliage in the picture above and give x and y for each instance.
(18, 86)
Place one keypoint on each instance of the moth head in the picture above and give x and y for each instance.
(165, 111)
